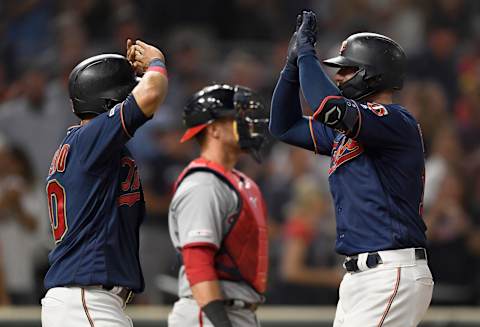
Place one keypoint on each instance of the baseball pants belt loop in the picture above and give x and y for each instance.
(124, 293)
(365, 261)
(241, 304)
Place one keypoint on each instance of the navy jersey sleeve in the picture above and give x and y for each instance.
(385, 125)
(105, 135)
(287, 122)
(322, 137)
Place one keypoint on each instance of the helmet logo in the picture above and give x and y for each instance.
(343, 47)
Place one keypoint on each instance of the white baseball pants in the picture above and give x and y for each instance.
(396, 293)
(83, 307)
(186, 312)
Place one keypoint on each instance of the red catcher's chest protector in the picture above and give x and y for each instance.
(243, 253)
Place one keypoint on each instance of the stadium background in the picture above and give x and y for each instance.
(239, 42)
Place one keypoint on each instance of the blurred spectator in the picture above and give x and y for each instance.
(4, 299)
(473, 189)
(446, 155)
(467, 110)
(406, 24)
(72, 45)
(438, 61)
(243, 68)
(310, 272)
(451, 257)
(94, 15)
(428, 104)
(37, 120)
(190, 57)
(456, 14)
(19, 222)
(27, 31)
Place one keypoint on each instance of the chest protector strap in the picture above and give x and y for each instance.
(243, 253)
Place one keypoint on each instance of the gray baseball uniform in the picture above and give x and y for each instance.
(199, 212)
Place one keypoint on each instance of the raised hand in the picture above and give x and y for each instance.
(307, 32)
(140, 54)
(292, 45)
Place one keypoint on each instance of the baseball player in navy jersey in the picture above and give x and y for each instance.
(94, 192)
(376, 174)
(217, 216)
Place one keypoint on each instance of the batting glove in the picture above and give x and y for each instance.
(292, 45)
(307, 33)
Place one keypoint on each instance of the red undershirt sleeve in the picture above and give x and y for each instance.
(199, 263)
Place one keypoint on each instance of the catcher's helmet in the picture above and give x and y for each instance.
(380, 62)
(98, 83)
(221, 101)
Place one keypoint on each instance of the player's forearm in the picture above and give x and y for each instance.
(315, 84)
(286, 118)
(209, 297)
(151, 91)
(286, 109)
(206, 292)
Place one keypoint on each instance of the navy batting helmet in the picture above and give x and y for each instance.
(98, 83)
(221, 101)
(380, 62)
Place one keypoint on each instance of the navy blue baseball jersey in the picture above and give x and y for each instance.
(376, 175)
(96, 203)
(376, 179)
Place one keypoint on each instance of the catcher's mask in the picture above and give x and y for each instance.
(221, 101)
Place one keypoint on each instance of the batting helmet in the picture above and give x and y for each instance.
(98, 83)
(380, 62)
(222, 101)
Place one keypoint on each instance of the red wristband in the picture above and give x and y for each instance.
(157, 65)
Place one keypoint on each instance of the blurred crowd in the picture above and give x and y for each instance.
(239, 42)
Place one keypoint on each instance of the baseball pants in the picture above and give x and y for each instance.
(83, 307)
(396, 293)
(186, 312)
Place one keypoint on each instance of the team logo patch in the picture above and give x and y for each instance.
(130, 184)
(112, 112)
(344, 150)
(377, 109)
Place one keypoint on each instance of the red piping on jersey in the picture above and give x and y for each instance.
(84, 303)
(390, 300)
(310, 124)
(123, 122)
(324, 101)
(200, 318)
